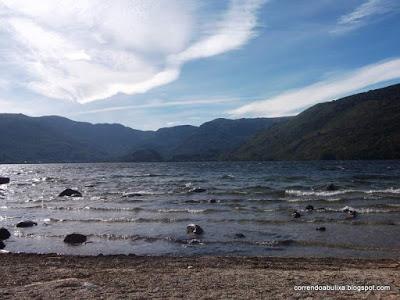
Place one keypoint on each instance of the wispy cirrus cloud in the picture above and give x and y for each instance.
(93, 49)
(160, 104)
(294, 101)
(363, 14)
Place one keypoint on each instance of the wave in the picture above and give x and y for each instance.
(227, 176)
(274, 244)
(137, 175)
(316, 200)
(191, 211)
(367, 210)
(318, 193)
(341, 192)
(117, 220)
(252, 190)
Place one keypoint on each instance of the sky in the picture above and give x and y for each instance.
(150, 64)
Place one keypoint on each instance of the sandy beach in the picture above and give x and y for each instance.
(27, 276)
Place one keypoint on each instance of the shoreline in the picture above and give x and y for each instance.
(130, 276)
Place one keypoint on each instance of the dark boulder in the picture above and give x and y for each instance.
(75, 238)
(322, 228)
(212, 201)
(4, 234)
(26, 224)
(296, 215)
(2, 245)
(194, 229)
(70, 193)
(331, 187)
(4, 180)
(239, 235)
(309, 207)
(197, 190)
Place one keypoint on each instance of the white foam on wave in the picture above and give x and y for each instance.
(363, 210)
(341, 192)
(308, 200)
(178, 210)
(319, 193)
(384, 191)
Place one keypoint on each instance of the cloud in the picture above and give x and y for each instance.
(292, 102)
(88, 50)
(363, 13)
(160, 104)
(233, 31)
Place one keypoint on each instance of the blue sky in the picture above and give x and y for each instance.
(150, 64)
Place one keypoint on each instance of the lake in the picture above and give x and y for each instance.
(244, 208)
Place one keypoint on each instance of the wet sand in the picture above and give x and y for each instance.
(27, 276)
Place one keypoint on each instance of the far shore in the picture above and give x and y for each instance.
(51, 276)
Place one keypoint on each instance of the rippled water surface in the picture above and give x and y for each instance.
(143, 208)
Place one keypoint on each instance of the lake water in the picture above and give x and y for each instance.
(143, 208)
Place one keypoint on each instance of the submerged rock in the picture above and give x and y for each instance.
(296, 215)
(2, 245)
(130, 195)
(351, 212)
(4, 234)
(26, 224)
(70, 193)
(212, 201)
(75, 238)
(309, 207)
(4, 180)
(239, 235)
(197, 190)
(347, 209)
(331, 187)
(322, 228)
(194, 229)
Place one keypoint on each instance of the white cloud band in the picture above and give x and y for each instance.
(93, 49)
(294, 101)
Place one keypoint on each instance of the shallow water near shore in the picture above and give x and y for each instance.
(143, 208)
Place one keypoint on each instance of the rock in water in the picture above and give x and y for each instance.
(194, 228)
(331, 187)
(4, 234)
(309, 207)
(351, 212)
(320, 228)
(296, 215)
(4, 180)
(239, 235)
(75, 238)
(2, 245)
(26, 224)
(70, 193)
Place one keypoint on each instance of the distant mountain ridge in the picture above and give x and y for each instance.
(58, 139)
(362, 126)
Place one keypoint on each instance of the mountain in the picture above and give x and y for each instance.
(214, 138)
(362, 126)
(58, 139)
